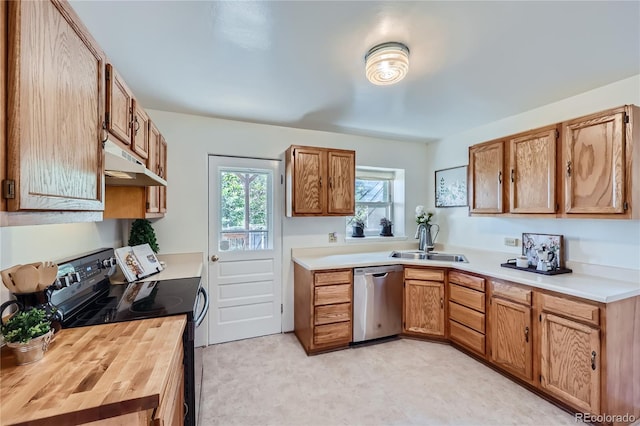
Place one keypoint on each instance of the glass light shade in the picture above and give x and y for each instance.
(387, 63)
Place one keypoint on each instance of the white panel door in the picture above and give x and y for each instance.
(245, 248)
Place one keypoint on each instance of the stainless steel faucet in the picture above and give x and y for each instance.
(423, 235)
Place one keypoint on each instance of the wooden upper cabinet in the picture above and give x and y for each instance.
(3, 95)
(320, 181)
(594, 163)
(153, 192)
(56, 109)
(486, 164)
(341, 176)
(119, 110)
(532, 175)
(570, 362)
(512, 337)
(162, 172)
(140, 131)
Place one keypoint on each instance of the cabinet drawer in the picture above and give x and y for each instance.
(466, 316)
(511, 292)
(466, 337)
(325, 295)
(467, 297)
(333, 277)
(424, 274)
(465, 280)
(570, 308)
(332, 313)
(332, 333)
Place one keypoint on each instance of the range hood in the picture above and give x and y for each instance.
(122, 169)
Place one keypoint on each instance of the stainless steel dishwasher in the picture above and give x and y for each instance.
(377, 302)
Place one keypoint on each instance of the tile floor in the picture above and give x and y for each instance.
(271, 381)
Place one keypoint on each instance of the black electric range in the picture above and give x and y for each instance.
(83, 296)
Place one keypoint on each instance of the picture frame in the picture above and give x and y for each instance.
(451, 187)
(531, 243)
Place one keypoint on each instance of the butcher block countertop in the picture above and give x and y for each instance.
(92, 373)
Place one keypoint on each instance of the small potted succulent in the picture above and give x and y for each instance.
(28, 334)
(386, 227)
(358, 227)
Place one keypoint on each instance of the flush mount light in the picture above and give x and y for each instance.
(387, 63)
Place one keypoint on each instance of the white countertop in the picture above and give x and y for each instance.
(177, 265)
(590, 287)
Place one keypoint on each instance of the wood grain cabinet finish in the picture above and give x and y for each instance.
(140, 131)
(486, 175)
(320, 181)
(55, 109)
(570, 362)
(594, 163)
(119, 107)
(512, 337)
(153, 164)
(162, 172)
(424, 302)
(467, 321)
(532, 175)
(3, 104)
(323, 308)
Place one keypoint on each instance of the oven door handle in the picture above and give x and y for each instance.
(205, 309)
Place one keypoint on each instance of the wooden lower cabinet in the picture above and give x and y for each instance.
(323, 308)
(467, 311)
(512, 337)
(424, 305)
(570, 362)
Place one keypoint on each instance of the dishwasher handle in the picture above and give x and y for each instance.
(379, 275)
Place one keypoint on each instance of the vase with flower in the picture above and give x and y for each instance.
(423, 233)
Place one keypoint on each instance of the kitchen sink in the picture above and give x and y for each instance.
(420, 255)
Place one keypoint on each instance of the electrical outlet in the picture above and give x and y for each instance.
(333, 237)
(513, 242)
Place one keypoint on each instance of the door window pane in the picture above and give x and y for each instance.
(245, 209)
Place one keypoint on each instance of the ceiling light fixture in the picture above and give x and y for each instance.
(387, 63)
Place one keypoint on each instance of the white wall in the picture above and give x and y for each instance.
(603, 242)
(26, 244)
(192, 138)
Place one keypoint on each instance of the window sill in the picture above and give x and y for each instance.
(374, 238)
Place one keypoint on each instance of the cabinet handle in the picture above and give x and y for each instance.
(512, 178)
(499, 177)
(320, 181)
(526, 334)
(136, 125)
(441, 303)
(593, 360)
(330, 182)
(568, 168)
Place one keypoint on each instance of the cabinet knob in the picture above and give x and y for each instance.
(320, 181)
(593, 360)
(512, 176)
(214, 258)
(499, 177)
(526, 334)
(441, 303)
(568, 168)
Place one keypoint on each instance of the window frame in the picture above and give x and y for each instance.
(374, 174)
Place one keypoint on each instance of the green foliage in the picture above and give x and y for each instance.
(236, 187)
(142, 232)
(26, 325)
(385, 222)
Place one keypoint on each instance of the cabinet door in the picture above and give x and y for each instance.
(533, 172)
(140, 142)
(56, 103)
(593, 162)
(424, 307)
(119, 106)
(162, 172)
(570, 362)
(342, 180)
(511, 337)
(153, 192)
(308, 187)
(486, 175)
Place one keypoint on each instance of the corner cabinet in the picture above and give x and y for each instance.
(55, 111)
(320, 181)
(323, 308)
(424, 302)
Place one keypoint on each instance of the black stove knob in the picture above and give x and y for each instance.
(108, 263)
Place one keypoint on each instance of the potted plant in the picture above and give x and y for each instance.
(358, 227)
(28, 334)
(142, 232)
(386, 227)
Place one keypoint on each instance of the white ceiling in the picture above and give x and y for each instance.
(301, 63)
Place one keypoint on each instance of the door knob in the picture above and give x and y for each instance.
(214, 258)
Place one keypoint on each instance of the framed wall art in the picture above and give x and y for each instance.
(451, 187)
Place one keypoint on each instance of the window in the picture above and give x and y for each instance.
(376, 193)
